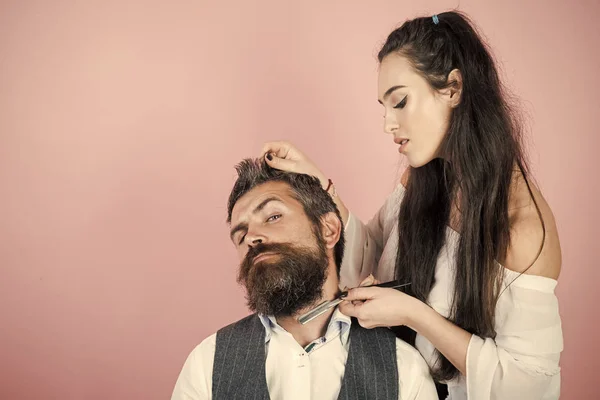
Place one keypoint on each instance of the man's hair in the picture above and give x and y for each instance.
(305, 188)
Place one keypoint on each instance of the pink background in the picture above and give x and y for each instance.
(120, 123)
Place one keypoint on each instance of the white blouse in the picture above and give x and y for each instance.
(520, 363)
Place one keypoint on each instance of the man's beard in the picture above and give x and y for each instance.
(288, 281)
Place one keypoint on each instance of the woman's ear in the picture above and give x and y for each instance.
(455, 86)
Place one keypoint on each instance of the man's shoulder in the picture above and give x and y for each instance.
(407, 354)
(248, 320)
(242, 326)
(205, 348)
(195, 378)
(208, 345)
(414, 373)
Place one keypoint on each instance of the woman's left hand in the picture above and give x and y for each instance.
(375, 306)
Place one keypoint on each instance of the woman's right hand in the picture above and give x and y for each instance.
(284, 156)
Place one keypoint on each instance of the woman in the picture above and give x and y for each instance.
(466, 227)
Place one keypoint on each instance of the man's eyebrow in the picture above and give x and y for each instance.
(264, 203)
(244, 226)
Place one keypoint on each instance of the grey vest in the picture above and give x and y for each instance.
(239, 363)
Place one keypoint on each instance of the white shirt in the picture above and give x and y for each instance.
(297, 373)
(522, 362)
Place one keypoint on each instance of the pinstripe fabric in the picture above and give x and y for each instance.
(371, 369)
(239, 365)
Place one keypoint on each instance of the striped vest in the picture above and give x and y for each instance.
(239, 365)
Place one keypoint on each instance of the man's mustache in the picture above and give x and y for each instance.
(263, 248)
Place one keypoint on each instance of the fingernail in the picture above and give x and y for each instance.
(269, 157)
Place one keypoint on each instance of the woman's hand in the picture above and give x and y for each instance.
(374, 306)
(284, 156)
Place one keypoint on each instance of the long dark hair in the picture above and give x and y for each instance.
(480, 152)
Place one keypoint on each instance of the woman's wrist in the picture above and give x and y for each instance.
(328, 185)
(419, 315)
(324, 181)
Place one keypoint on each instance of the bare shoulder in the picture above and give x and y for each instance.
(534, 244)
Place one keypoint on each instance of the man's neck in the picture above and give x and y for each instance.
(305, 334)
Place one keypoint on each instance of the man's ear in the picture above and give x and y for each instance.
(331, 228)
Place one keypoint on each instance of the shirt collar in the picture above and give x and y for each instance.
(338, 324)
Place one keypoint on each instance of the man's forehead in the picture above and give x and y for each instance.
(278, 190)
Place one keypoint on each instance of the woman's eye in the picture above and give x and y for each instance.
(274, 218)
(402, 103)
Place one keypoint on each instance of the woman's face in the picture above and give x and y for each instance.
(415, 114)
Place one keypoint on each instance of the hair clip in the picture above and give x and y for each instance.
(436, 20)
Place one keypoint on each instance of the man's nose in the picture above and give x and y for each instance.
(254, 239)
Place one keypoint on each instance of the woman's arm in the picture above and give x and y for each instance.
(520, 362)
(364, 242)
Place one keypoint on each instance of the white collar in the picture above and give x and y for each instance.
(338, 324)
